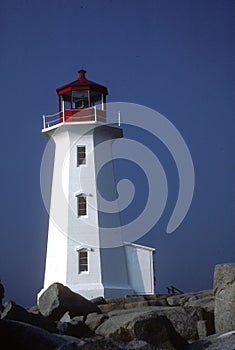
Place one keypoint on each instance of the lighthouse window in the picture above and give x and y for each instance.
(82, 205)
(81, 155)
(83, 261)
(80, 99)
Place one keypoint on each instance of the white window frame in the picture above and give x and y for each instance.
(78, 208)
(77, 155)
(83, 250)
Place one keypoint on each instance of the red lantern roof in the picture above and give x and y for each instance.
(82, 84)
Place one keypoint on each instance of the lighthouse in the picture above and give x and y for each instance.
(85, 247)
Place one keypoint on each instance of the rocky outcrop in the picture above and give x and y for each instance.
(156, 330)
(12, 311)
(64, 320)
(58, 299)
(184, 320)
(204, 299)
(224, 341)
(93, 321)
(205, 328)
(22, 336)
(224, 289)
(75, 327)
(108, 344)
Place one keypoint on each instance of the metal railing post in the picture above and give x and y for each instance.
(95, 113)
(44, 121)
(119, 118)
(63, 110)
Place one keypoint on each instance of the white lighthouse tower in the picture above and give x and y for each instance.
(81, 252)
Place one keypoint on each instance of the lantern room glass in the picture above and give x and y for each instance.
(80, 99)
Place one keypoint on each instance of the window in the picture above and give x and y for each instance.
(80, 99)
(82, 205)
(81, 155)
(83, 261)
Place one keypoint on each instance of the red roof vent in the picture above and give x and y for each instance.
(81, 73)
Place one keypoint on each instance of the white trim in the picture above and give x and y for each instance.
(78, 193)
(78, 207)
(139, 246)
(88, 262)
(84, 247)
(71, 123)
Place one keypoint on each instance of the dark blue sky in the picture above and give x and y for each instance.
(177, 57)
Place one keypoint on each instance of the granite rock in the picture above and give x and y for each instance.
(224, 289)
(58, 299)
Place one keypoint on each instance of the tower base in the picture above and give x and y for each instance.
(92, 291)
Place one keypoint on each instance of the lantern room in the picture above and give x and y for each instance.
(78, 99)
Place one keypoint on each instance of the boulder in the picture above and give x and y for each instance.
(94, 320)
(108, 344)
(23, 336)
(75, 328)
(148, 326)
(207, 303)
(109, 307)
(67, 318)
(117, 312)
(33, 309)
(183, 319)
(12, 311)
(98, 301)
(224, 289)
(205, 328)
(181, 299)
(136, 304)
(160, 302)
(224, 341)
(58, 299)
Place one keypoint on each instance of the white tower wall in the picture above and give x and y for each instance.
(68, 233)
(56, 258)
(115, 278)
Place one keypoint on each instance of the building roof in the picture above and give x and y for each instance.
(134, 245)
(82, 83)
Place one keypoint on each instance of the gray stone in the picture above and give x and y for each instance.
(75, 328)
(135, 298)
(109, 307)
(181, 299)
(116, 300)
(12, 311)
(98, 301)
(224, 341)
(207, 303)
(65, 317)
(93, 321)
(156, 330)
(77, 319)
(183, 319)
(108, 344)
(22, 336)
(58, 299)
(137, 310)
(33, 309)
(136, 304)
(205, 328)
(160, 302)
(224, 289)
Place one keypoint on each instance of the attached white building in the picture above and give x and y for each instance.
(82, 252)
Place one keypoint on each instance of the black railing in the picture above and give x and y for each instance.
(174, 290)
